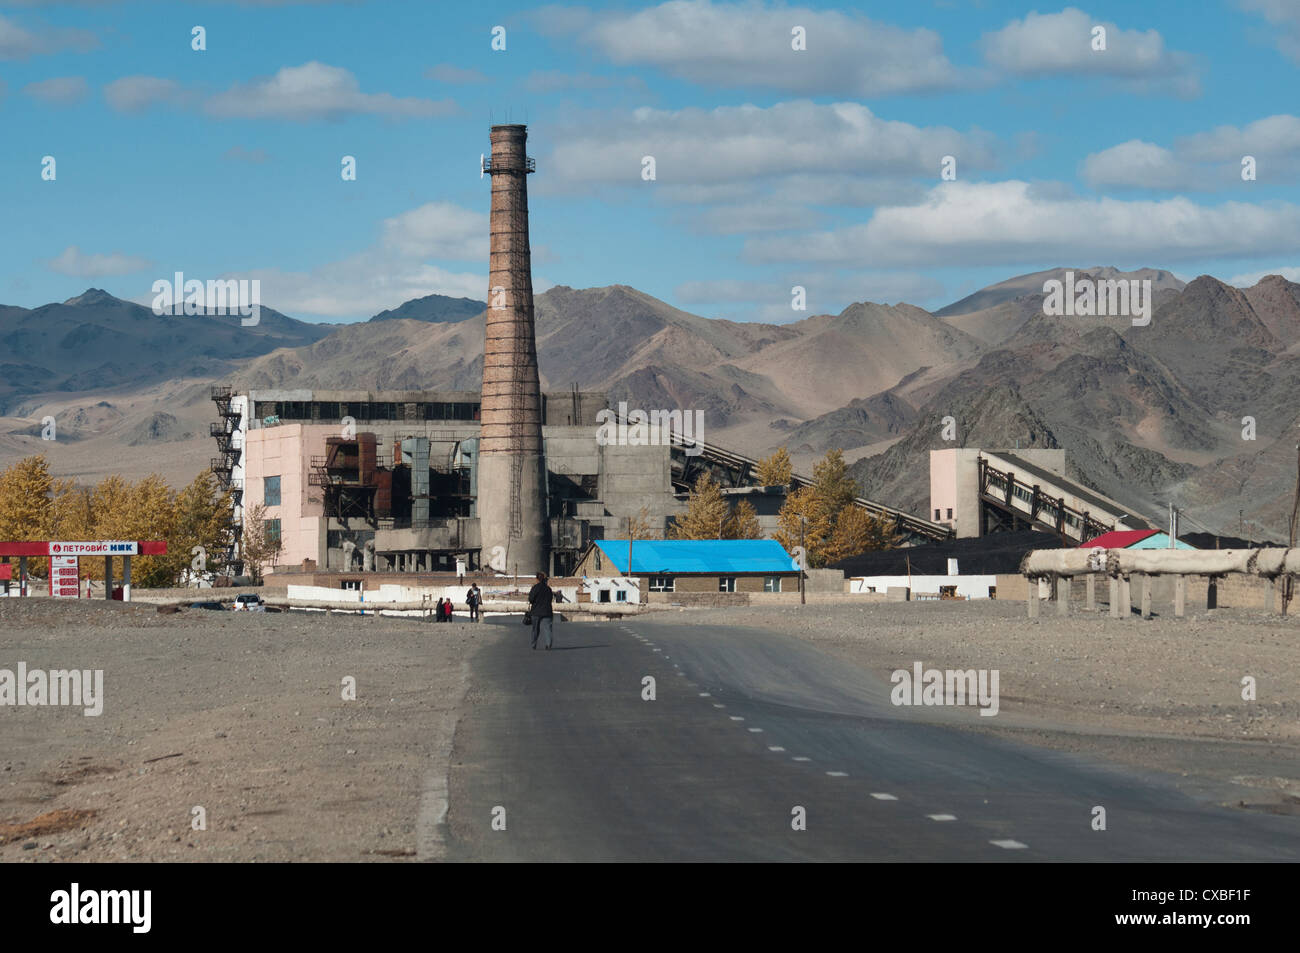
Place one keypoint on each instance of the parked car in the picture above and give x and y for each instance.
(250, 601)
(206, 605)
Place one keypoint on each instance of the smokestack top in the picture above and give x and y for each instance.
(509, 151)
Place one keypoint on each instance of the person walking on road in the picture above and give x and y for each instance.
(472, 599)
(540, 600)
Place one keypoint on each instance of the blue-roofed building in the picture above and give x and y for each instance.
(695, 565)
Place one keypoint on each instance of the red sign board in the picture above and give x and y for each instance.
(64, 580)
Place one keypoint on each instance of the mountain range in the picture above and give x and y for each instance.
(1147, 414)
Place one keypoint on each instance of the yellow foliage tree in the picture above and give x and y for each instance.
(259, 543)
(638, 527)
(743, 522)
(775, 469)
(25, 504)
(706, 512)
(857, 532)
(818, 509)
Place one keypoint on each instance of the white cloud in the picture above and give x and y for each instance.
(1272, 136)
(735, 145)
(17, 43)
(750, 44)
(1251, 278)
(137, 93)
(1062, 43)
(72, 261)
(361, 286)
(397, 268)
(1137, 164)
(1284, 15)
(438, 230)
(1013, 222)
(317, 91)
(59, 91)
(1207, 160)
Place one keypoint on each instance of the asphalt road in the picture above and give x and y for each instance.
(561, 749)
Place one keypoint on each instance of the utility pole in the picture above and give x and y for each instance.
(1295, 517)
(803, 558)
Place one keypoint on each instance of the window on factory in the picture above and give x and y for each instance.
(950, 512)
(272, 530)
(936, 515)
(620, 595)
(726, 584)
(328, 410)
(604, 595)
(661, 583)
(771, 583)
(271, 491)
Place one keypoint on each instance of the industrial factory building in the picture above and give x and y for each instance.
(506, 478)
(391, 480)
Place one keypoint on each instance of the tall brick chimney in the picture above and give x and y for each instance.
(511, 471)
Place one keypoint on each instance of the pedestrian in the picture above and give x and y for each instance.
(540, 600)
(472, 600)
(446, 608)
(437, 613)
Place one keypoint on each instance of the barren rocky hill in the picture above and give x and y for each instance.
(1146, 414)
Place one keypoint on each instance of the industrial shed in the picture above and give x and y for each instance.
(695, 565)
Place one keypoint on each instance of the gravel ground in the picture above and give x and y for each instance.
(1165, 693)
(238, 713)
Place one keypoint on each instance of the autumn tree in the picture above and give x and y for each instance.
(25, 504)
(638, 527)
(202, 522)
(775, 469)
(799, 524)
(817, 509)
(857, 532)
(259, 543)
(743, 522)
(706, 512)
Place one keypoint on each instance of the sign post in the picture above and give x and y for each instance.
(64, 577)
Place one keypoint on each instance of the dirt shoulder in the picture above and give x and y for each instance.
(240, 714)
(1164, 693)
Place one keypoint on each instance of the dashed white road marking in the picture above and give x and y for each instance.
(884, 797)
(775, 748)
(942, 817)
(737, 718)
(800, 758)
(1009, 844)
(717, 705)
(756, 730)
(705, 695)
(837, 774)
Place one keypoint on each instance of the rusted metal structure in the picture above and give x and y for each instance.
(512, 494)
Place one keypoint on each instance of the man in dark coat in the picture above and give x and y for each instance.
(540, 600)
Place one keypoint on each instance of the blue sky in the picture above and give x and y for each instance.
(773, 166)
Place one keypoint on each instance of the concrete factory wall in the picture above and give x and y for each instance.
(285, 451)
(970, 587)
(954, 484)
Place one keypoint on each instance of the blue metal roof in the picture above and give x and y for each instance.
(666, 556)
